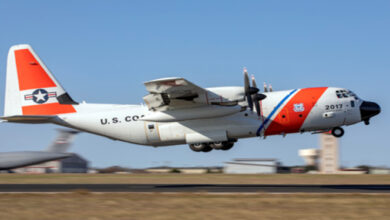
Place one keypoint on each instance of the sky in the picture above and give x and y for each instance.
(103, 51)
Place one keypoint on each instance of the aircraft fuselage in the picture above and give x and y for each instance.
(282, 112)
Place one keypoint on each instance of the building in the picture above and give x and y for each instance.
(251, 166)
(329, 157)
(72, 164)
(379, 170)
(310, 156)
(184, 170)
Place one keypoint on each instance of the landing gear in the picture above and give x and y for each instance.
(207, 148)
(225, 145)
(337, 132)
(200, 147)
(218, 145)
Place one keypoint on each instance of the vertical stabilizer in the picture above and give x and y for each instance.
(63, 141)
(31, 89)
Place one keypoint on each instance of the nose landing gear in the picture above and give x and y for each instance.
(337, 132)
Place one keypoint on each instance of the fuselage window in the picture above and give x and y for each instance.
(353, 104)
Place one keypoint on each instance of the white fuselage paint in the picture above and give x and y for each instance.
(124, 122)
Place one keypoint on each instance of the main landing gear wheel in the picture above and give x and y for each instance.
(200, 147)
(207, 148)
(227, 146)
(337, 132)
(222, 145)
(218, 145)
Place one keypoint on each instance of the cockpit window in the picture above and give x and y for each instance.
(345, 94)
(342, 94)
(338, 93)
(350, 93)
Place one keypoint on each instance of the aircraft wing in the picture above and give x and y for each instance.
(177, 93)
(11, 160)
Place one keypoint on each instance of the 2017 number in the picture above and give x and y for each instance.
(333, 107)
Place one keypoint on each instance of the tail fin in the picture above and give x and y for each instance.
(63, 141)
(31, 89)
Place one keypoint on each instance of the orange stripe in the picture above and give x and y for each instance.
(289, 121)
(30, 73)
(48, 109)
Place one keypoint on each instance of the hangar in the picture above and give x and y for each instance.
(251, 166)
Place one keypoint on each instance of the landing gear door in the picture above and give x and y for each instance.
(152, 132)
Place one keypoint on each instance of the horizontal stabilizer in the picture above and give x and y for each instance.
(29, 118)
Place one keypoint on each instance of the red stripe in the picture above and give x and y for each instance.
(31, 75)
(48, 109)
(289, 121)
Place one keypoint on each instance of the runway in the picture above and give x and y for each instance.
(212, 188)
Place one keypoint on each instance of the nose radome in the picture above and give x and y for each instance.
(368, 110)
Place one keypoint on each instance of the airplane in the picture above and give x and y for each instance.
(56, 150)
(177, 111)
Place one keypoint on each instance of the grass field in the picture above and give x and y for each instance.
(194, 179)
(93, 206)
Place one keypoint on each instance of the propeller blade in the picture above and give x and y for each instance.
(255, 96)
(257, 105)
(246, 81)
(248, 90)
(250, 101)
(253, 81)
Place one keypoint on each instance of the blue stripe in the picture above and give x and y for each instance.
(273, 112)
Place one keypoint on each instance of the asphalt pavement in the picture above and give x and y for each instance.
(213, 188)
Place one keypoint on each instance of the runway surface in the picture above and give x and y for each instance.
(214, 188)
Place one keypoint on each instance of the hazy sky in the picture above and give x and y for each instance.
(103, 51)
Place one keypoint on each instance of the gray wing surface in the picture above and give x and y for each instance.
(11, 160)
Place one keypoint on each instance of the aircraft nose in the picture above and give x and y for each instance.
(368, 110)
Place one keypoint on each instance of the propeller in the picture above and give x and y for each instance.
(251, 93)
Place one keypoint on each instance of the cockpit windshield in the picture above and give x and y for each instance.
(345, 94)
